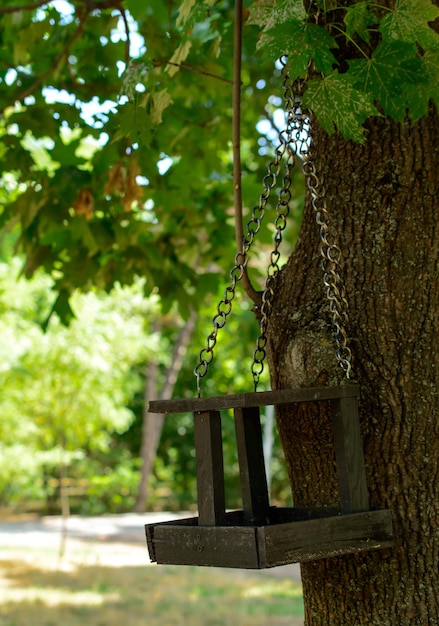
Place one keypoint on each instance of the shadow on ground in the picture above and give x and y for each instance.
(105, 579)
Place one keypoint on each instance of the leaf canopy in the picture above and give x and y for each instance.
(115, 123)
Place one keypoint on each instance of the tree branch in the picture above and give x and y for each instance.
(90, 5)
(127, 32)
(236, 142)
(23, 7)
(63, 53)
(158, 63)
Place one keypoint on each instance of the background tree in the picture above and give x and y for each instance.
(368, 74)
(65, 392)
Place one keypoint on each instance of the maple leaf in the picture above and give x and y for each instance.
(302, 42)
(357, 20)
(337, 103)
(409, 22)
(419, 96)
(270, 13)
(387, 74)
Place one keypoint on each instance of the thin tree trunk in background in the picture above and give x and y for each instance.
(65, 506)
(152, 422)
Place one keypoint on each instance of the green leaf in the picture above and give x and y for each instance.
(387, 74)
(302, 42)
(180, 55)
(419, 95)
(408, 23)
(160, 101)
(136, 8)
(268, 14)
(81, 231)
(357, 20)
(62, 308)
(66, 154)
(335, 102)
(185, 11)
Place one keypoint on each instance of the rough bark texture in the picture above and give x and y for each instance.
(383, 200)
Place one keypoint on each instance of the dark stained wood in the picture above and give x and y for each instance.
(210, 468)
(260, 536)
(315, 539)
(184, 542)
(349, 456)
(252, 473)
(258, 398)
(219, 546)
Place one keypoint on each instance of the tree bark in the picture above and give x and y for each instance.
(383, 202)
(152, 422)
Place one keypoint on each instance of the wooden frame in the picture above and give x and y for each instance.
(261, 536)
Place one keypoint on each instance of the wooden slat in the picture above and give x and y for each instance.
(183, 542)
(210, 468)
(212, 547)
(321, 538)
(251, 465)
(258, 398)
(349, 455)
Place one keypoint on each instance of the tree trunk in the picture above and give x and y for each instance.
(152, 422)
(383, 202)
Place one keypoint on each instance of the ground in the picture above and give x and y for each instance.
(104, 578)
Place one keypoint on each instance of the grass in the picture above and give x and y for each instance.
(112, 585)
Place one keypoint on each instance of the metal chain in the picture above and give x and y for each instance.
(292, 142)
(331, 262)
(253, 226)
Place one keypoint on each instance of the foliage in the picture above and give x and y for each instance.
(115, 152)
(73, 396)
(357, 60)
(116, 123)
(121, 166)
(65, 392)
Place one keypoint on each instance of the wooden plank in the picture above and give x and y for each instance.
(149, 532)
(213, 547)
(311, 540)
(257, 398)
(182, 542)
(349, 455)
(251, 465)
(210, 468)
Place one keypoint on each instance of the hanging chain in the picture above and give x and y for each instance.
(295, 140)
(253, 226)
(299, 138)
(225, 305)
(292, 141)
(331, 261)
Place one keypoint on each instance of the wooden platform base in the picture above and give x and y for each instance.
(290, 535)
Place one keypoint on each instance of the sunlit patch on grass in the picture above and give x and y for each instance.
(86, 588)
(275, 588)
(51, 597)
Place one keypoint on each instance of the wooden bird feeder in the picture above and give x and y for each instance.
(261, 536)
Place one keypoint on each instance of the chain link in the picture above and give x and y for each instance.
(292, 142)
(252, 228)
(295, 140)
(331, 262)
